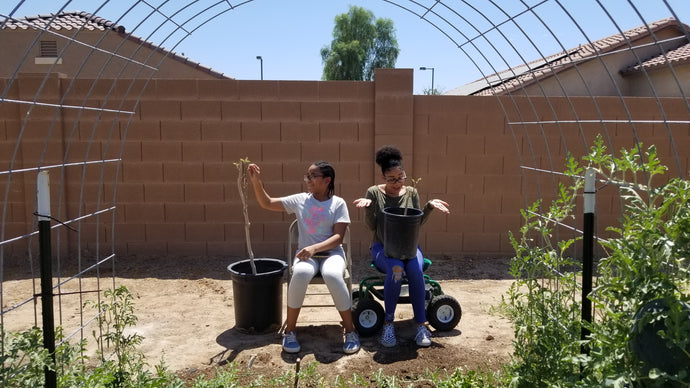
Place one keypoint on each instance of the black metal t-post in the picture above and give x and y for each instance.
(587, 253)
(43, 194)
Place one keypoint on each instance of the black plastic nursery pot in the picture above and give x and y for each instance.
(258, 299)
(649, 347)
(401, 232)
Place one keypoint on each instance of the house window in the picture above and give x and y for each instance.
(48, 54)
(49, 49)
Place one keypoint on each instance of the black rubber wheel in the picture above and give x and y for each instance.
(368, 316)
(444, 312)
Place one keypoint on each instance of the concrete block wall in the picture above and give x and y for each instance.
(175, 191)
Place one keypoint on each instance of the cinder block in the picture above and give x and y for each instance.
(163, 192)
(356, 110)
(346, 91)
(462, 184)
(129, 151)
(80, 151)
(484, 164)
(299, 131)
(241, 110)
(258, 90)
(183, 172)
(203, 192)
(439, 243)
(220, 131)
(260, 131)
(398, 125)
(202, 151)
(502, 223)
(184, 212)
(222, 172)
(360, 151)
(219, 213)
(161, 151)
(367, 131)
(320, 111)
(130, 232)
(340, 132)
(126, 192)
(143, 213)
(298, 90)
(99, 129)
(180, 130)
(325, 151)
(393, 81)
(280, 111)
(394, 105)
(234, 151)
(506, 184)
(201, 110)
(468, 222)
(199, 232)
(285, 152)
(160, 110)
(177, 89)
(140, 130)
(466, 145)
(133, 172)
(218, 89)
(482, 243)
(165, 232)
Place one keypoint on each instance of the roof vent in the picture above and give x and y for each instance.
(49, 49)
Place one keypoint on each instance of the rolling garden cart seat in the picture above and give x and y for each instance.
(442, 311)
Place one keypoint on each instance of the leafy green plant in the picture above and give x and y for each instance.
(644, 261)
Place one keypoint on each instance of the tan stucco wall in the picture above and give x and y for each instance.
(92, 57)
(176, 185)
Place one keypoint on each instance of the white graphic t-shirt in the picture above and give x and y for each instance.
(315, 218)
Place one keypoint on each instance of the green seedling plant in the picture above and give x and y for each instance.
(408, 193)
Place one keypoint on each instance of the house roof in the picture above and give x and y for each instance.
(676, 57)
(75, 20)
(519, 76)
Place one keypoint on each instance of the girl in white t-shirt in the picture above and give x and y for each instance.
(322, 220)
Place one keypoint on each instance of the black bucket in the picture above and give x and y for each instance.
(401, 232)
(258, 299)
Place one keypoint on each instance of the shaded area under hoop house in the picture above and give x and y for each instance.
(492, 37)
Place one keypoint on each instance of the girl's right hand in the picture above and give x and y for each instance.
(362, 202)
(253, 170)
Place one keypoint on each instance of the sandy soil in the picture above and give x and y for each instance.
(185, 312)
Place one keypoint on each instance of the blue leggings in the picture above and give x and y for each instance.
(393, 268)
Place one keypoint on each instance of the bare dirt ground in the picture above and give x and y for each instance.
(185, 312)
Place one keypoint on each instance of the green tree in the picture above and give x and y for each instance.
(360, 44)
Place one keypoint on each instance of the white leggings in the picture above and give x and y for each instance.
(332, 270)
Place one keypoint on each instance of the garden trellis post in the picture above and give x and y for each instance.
(587, 253)
(43, 213)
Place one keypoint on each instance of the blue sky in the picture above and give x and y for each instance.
(475, 39)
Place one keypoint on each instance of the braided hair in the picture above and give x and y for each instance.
(328, 171)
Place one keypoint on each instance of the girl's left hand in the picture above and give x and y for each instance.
(440, 205)
(305, 253)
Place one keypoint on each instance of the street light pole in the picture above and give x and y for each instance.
(433, 91)
(262, 66)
